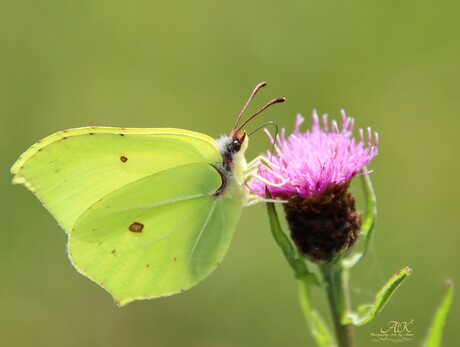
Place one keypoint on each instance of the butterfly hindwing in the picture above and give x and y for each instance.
(157, 236)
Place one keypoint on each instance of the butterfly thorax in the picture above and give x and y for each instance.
(234, 165)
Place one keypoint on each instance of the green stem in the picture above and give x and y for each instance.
(339, 302)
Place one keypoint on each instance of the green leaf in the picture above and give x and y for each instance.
(367, 312)
(296, 262)
(316, 325)
(368, 225)
(434, 337)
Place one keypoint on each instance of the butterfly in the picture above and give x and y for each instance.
(148, 212)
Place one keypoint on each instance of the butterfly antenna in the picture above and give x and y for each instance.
(267, 105)
(263, 126)
(254, 92)
(273, 140)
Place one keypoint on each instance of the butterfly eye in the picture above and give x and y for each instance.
(236, 146)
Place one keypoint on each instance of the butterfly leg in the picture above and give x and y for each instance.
(261, 160)
(257, 199)
(255, 165)
(252, 173)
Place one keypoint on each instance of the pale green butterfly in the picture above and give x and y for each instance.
(148, 212)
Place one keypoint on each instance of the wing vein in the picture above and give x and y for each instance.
(195, 244)
(166, 202)
(186, 219)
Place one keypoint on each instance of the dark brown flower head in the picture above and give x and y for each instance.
(322, 228)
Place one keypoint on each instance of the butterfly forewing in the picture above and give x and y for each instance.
(71, 170)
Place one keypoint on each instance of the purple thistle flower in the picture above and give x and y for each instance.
(316, 161)
(312, 171)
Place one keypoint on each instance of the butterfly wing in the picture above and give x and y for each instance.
(157, 236)
(139, 205)
(71, 170)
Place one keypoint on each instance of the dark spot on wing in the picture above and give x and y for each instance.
(121, 134)
(57, 170)
(113, 252)
(175, 258)
(100, 243)
(136, 227)
(40, 149)
(91, 134)
(123, 159)
(148, 265)
(65, 137)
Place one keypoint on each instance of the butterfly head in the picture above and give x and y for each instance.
(237, 141)
(232, 147)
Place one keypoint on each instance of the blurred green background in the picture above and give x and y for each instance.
(393, 65)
